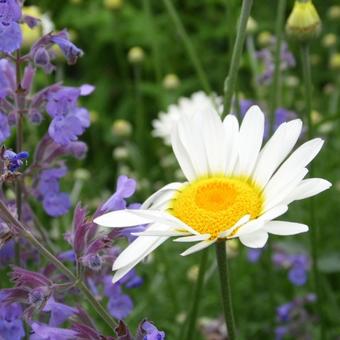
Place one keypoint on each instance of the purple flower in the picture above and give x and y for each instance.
(283, 312)
(11, 325)
(298, 272)
(5, 131)
(42, 58)
(148, 331)
(253, 255)
(59, 312)
(45, 332)
(57, 204)
(120, 305)
(7, 253)
(15, 160)
(70, 51)
(125, 188)
(49, 180)
(10, 32)
(60, 102)
(280, 332)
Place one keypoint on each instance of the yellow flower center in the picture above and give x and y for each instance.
(214, 204)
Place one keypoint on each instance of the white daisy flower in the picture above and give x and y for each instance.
(234, 188)
(198, 102)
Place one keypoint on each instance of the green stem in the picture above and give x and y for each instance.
(11, 220)
(314, 232)
(230, 81)
(188, 45)
(222, 262)
(276, 87)
(197, 295)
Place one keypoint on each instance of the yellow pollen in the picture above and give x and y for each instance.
(212, 205)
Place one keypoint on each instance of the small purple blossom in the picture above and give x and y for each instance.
(148, 331)
(59, 312)
(10, 32)
(15, 160)
(45, 332)
(57, 204)
(5, 131)
(120, 305)
(253, 255)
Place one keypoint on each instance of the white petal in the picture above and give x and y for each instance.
(198, 246)
(194, 238)
(231, 134)
(255, 240)
(307, 188)
(213, 140)
(277, 192)
(182, 156)
(121, 219)
(123, 271)
(140, 247)
(240, 222)
(250, 140)
(285, 228)
(276, 150)
(160, 233)
(160, 195)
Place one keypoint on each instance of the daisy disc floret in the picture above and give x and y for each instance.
(235, 188)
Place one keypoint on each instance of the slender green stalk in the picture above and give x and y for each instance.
(314, 232)
(188, 45)
(222, 263)
(230, 81)
(276, 87)
(191, 325)
(11, 220)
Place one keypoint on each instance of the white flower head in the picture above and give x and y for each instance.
(199, 102)
(235, 188)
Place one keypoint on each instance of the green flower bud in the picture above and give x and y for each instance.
(264, 38)
(113, 4)
(329, 40)
(171, 81)
(121, 128)
(304, 23)
(334, 62)
(334, 12)
(136, 55)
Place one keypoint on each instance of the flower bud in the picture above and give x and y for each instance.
(120, 153)
(334, 12)
(121, 128)
(113, 4)
(334, 62)
(264, 38)
(329, 40)
(251, 26)
(82, 174)
(136, 55)
(304, 23)
(171, 81)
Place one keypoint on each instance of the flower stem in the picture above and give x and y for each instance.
(188, 45)
(276, 88)
(222, 262)
(230, 81)
(197, 295)
(314, 232)
(11, 220)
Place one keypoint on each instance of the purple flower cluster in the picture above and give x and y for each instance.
(293, 318)
(266, 56)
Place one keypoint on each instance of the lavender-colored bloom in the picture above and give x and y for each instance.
(15, 160)
(148, 331)
(283, 311)
(70, 51)
(120, 305)
(45, 332)
(125, 188)
(60, 102)
(253, 255)
(5, 131)
(59, 312)
(11, 325)
(42, 58)
(298, 272)
(49, 180)
(7, 253)
(280, 332)
(131, 280)
(57, 204)
(10, 32)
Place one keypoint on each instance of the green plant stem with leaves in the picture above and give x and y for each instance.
(314, 231)
(6, 215)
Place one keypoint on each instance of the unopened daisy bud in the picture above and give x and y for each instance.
(192, 273)
(121, 128)
(329, 40)
(120, 153)
(334, 12)
(136, 55)
(113, 4)
(334, 62)
(292, 81)
(232, 248)
(264, 38)
(251, 26)
(171, 81)
(304, 23)
(316, 117)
